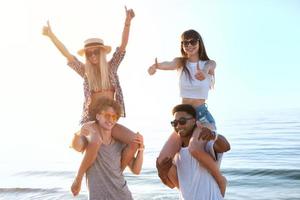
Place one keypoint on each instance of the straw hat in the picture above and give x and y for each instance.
(94, 42)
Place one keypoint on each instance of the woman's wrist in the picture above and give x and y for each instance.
(141, 148)
(127, 23)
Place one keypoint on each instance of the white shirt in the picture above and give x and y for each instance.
(194, 88)
(195, 182)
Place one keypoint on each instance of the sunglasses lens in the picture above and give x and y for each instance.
(193, 42)
(95, 52)
(114, 117)
(109, 116)
(174, 123)
(185, 43)
(182, 121)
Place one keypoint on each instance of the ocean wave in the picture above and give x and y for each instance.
(30, 190)
(46, 173)
(38, 194)
(291, 174)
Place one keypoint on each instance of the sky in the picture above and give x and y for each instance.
(254, 43)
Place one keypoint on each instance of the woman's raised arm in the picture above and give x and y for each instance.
(125, 35)
(47, 31)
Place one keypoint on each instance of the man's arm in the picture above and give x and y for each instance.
(163, 170)
(172, 175)
(221, 145)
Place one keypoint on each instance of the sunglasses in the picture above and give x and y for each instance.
(110, 116)
(95, 52)
(193, 42)
(180, 121)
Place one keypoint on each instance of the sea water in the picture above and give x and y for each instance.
(263, 163)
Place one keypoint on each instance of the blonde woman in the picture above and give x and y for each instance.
(100, 80)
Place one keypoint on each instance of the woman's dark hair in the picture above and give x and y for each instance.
(187, 35)
(189, 109)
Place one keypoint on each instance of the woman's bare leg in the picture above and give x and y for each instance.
(79, 142)
(125, 135)
(170, 148)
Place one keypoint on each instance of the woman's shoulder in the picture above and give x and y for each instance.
(211, 62)
(178, 61)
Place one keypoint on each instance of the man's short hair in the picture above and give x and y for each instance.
(185, 108)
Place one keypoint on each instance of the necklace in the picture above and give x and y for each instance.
(105, 140)
(108, 142)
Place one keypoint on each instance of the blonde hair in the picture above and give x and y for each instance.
(102, 104)
(98, 77)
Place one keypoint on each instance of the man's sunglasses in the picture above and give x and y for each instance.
(110, 116)
(95, 52)
(180, 121)
(193, 42)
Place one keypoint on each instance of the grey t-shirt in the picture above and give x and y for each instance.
(105, 178)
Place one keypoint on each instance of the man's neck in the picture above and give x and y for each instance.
(105, 134)
(186, 140)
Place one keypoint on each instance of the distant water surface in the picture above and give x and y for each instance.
(263, 164)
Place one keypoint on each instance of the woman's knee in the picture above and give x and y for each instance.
(79, 143)
(94, 139)
(171, 147)
(123, 134)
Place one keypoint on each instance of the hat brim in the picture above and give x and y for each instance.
(107, 49)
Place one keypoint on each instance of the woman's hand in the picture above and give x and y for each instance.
(47, 31)
(152, 69)
(206, 132)
(129, 15)
(200, 75)
(139, 139)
